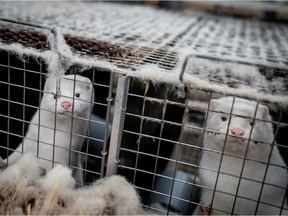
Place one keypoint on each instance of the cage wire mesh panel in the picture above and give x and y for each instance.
(160, 128)
(94, 149)
(150, 132)
(168, 172)
(227, 166)
(22, 82)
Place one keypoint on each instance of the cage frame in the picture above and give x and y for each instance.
(120, 106)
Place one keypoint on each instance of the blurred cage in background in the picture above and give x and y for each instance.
(151, 131)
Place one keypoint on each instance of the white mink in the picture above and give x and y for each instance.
(254, 167)
(55, 134)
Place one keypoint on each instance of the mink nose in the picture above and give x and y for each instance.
(65, 105)
(237, 132)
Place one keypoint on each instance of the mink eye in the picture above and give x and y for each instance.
(223, 118)
(54, 95)
(77, 95)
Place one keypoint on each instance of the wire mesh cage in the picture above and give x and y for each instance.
(202, 132)
(22, 85)
(165, 155)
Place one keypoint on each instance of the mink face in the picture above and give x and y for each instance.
(237, 123)
(64, 96)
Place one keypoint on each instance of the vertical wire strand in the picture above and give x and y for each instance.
(159, 142)
(194, 176)
(24, 103)
(202, 149)
(88, 132)
(58, 93)
(286, 190)
(71, 150)
(140, 132)
(178, 154)
(39, 113)
(8, 106)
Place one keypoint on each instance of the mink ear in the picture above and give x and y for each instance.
(88, 83)
(213, 103)
(47, 87)
(264, 111)
(89, 86)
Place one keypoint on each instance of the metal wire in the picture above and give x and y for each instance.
(154, 174)
(166, 56)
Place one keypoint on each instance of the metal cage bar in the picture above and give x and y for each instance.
(179, 123)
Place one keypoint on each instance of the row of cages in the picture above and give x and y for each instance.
(184, 149)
